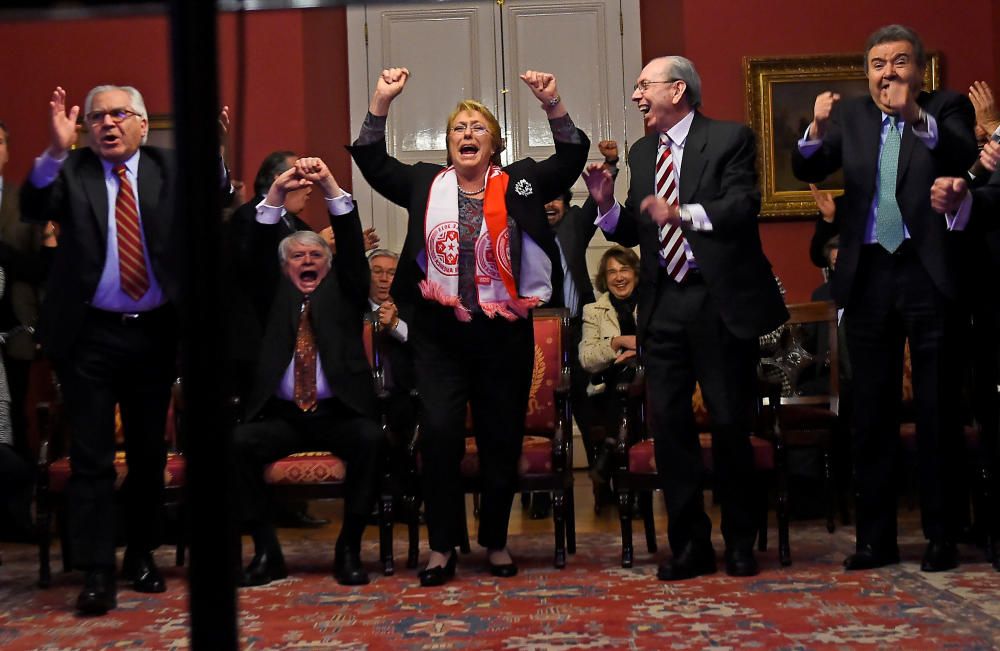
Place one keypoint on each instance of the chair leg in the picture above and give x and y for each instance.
(386, 517)
(559, 522)
(64, 542)
(829, 489)
(762, 508)
(644, 501)
(570, 521)
(181, 535)
(44, 528)
(625, 518)
(464, 546)
(784, 546)
(413, 531)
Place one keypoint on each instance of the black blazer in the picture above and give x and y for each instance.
(408, 186)
(77, 200)
(337, 308)
(852, 143)
(718, 172)
(574, 233)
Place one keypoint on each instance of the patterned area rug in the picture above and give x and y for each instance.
(592, 604)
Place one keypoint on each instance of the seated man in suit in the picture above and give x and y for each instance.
(393, 338)
(312, 389)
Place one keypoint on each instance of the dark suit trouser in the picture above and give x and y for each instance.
(485, 364)
(16, 479)
(284, 429)
(686, 341)
(894, 299)
(131, 363)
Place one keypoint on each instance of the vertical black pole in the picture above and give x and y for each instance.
(213, 565)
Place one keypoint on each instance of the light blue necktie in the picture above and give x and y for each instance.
(888, 218)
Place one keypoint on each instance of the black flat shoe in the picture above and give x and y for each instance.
(98, 594)
(939, 557)
(504, 571)
(264, 568)
(139, 568)
(741, 562)
(435, 576)
(347, 568)
(695, 559)
(867, 558)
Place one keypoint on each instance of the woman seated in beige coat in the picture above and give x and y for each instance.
(607, 346)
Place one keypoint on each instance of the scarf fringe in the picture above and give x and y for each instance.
(434, 292)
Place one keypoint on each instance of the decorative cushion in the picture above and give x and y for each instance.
(173, 474)
(908, 435)
(642, 458)
(536, 457)
(642, 455)
(306, 468)
(806, 417)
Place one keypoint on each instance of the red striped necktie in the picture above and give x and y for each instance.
(131, 261)
(671, 238)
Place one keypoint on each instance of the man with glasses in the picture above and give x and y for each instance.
(706, 292)
(109, 321)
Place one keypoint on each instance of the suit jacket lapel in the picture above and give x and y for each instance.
(694, 159)
(150, 183)
(906, 148)
(92, 177)
(871, 142)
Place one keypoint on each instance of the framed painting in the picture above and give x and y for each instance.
(780, 94)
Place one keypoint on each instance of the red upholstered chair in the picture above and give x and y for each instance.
(547, 451)
(54, 471)
(319, 474)
(636, 472)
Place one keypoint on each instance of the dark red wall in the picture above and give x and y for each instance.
(297, 80)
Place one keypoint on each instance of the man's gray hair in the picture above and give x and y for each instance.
(305, 238)
(382, 253)
(894, 34)
(135, 99)
(682, 68)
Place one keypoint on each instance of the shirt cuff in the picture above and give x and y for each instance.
(401, 332)
(693, 215)
(809, 146)
(960, 219)
(928, 136)
(341, 205)
(608, 222)
(269, 214)
(46, 169)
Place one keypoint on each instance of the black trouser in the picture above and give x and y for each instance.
(686, 341)
(579, 379)
(894, 299)
(283, 430)
(485, 364)
(129, 362)
(16, 479)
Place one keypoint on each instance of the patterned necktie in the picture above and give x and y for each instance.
(131, 261)
(305, 362)
(888, 218)
(671, 238)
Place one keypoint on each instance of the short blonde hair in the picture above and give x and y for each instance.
(491, 125)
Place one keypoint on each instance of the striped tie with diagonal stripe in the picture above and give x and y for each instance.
(131, 261)
(671, 238)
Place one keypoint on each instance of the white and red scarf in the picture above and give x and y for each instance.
(494, 276)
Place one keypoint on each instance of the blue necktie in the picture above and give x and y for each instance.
(888, 218)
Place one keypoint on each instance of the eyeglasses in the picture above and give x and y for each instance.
(477, 129)
(117, 115)
(644, 84)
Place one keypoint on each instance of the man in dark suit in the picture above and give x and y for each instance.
(312, 388)
(108, 322)
(896, 278)
(706, 292)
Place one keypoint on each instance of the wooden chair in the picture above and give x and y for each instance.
(547, 451)
(319, 474)
(53, 472)
(809, 417)
(635, 468)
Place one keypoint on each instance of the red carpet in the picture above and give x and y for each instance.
(592, 604)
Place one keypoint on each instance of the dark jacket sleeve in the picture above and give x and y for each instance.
(387, 176)
(350, 263)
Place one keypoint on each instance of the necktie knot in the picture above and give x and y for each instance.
(120, 170)
(892, 121)
(664, 139)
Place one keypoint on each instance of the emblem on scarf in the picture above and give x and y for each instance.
(523, 188)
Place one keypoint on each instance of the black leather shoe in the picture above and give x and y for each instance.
(939, 556)
(503, 570)
(867, 558)
(347, 568)
(741, 562)
(139, 568)
(264, 567)
(98, 594)
(435, 576)
(695, 559)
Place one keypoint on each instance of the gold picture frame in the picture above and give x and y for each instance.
(780, 94)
